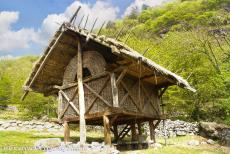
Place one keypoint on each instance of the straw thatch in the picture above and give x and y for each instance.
(51, 67)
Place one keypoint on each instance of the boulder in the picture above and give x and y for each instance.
(210, 141)
(210, 130)
(48, 143)
(225, 137)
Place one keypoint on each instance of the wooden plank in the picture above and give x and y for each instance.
(71, 103)
(66, 132)
(114, 90)
(99, 96)
(95, 99)
(107, 134)
(81, 98)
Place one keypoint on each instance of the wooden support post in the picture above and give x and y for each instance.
(107, 134)
(59, 105)
(139, 128)
(66, 132)
(134, 132)
(114, 90)
(151, 129)
(115, 132)
(81, 96)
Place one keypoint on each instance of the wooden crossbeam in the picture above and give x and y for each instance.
(71, 103)
(99, 96)
(131, 96)
(67, 106)
(121, 76)
(127, 94)
(95, 99)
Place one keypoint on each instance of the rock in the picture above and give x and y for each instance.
(193, 143)
(156, 145)
(180, 133)
(210, 141)
(210, 130)
(203, 142)
(6, 125)
(48, 143)
(225, 137)
(12, 108)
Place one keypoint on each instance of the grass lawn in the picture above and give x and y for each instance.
(175, 145)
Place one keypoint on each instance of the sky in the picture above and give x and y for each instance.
(27, 25)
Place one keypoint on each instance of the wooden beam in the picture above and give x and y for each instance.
(67, 106)
(81, 98)
(139, 128)
(107, 134)
(134, 132)
(114, 90)
(115, 132)
(151, 129)
(66, 132)
(70, 103)
(95, 99)
(99, 96)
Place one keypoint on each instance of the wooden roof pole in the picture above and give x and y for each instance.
(81, 98)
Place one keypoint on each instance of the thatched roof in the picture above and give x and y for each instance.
(50, 68)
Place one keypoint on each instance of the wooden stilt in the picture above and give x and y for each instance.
(151, 129)
(81, 97)
(115, 131)
(139, 128)
(107, 134)
(66, 132)
(133, 131)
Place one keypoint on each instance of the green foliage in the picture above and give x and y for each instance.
(13, 75)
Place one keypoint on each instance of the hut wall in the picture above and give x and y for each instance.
(142, 95)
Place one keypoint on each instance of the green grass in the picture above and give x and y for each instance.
(174, 145)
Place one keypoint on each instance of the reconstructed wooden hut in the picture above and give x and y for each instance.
(101, 81)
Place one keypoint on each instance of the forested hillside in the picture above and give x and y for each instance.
(189, 37)
(13, 73)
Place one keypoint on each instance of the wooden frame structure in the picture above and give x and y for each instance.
(100, 81)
